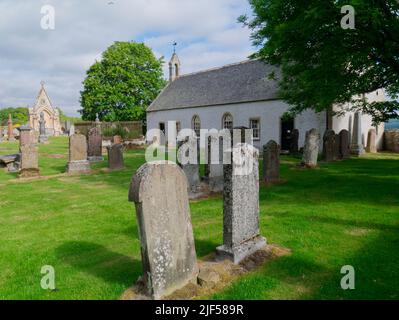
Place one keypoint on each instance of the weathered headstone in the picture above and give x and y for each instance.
(95, 140)
(25, 136)
(294, 143)
(159, 191)
(329, 146)
(29, 161)
(344, 144)
(115, 157)
(215, 163)
(241, 235)
(357, 147)
(78, 162)
(271, 162)
(337, 148)
(42, 129)
(311, 149)
(10, 131)
(188, 161)
(372, 141)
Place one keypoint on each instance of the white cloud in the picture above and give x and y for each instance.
(206, 30)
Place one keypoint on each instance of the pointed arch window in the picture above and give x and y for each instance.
(196, 125)
(227, 121)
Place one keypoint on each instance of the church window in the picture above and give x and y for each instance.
(254, 124)
(227, 121)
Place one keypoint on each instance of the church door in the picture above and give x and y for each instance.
(287, 126)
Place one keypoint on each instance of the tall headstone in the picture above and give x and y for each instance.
(344, 144)
(372, 141)
(271, 162)
(95, 140)
(78, 162)
(357, 147)
(294, 144)
(329, 146)
(159, 191)
(10, 131)
(25, 136)
(215, 163)
(337, 148)
(188, 161)
(29, 161)
(42, 129)
(311, 149)
(241, 235)
(115, 157)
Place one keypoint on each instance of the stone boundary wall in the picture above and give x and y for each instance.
(391, 140)
(132, 126)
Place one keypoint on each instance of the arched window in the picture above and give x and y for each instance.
(196, 125)
(227, 121)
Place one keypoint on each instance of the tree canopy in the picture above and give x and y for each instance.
(324, 64)
(19, 116)
(122, 84)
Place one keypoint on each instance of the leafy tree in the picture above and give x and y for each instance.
(323, 63)
(64, 117)
(19, 116)
(123, 84)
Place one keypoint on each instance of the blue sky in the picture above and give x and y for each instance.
(206, 31)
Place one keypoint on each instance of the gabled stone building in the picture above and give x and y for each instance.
(51, 114)
(243, 95)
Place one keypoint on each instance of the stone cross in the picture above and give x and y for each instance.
(271, 162)
(371, 141)
(311, 149)
(294, 144)
(78, 155)
(188, 160)
(95, 140)
(344, 144)
(241, 236)
(10, 131)
(159, 191)
(29, 161)
(357, 147)
(329, 146)
(115, 157)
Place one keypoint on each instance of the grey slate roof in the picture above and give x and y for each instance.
(237, 83)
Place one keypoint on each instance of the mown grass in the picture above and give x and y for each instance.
(345, 213)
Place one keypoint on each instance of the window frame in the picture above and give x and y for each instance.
(225, 115)
(253, 130)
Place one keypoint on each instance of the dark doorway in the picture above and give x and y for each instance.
(287, 126)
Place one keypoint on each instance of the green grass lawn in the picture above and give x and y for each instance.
(345, 213)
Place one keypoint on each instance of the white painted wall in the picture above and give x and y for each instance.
(346, 121)
(269, 112)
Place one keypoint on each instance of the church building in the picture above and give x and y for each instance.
(243, 95)
(51, 115)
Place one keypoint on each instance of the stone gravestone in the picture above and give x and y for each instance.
(10, 131)
(311, 149)
(337, 148)
(159, 191)
(241, 236)
(357, 147)
(95, 145)
(42, 129)
(271, 162)
(294, 144)
(344, 144)
(371, 141)
(78, 162)
(329, 146)
(188, 160)
(29, 161)
(25, 136)
(215, 163)
(115, 157)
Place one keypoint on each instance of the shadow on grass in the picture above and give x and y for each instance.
(100, 262)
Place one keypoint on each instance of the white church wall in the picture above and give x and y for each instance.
(269, 113)
(346, 121)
